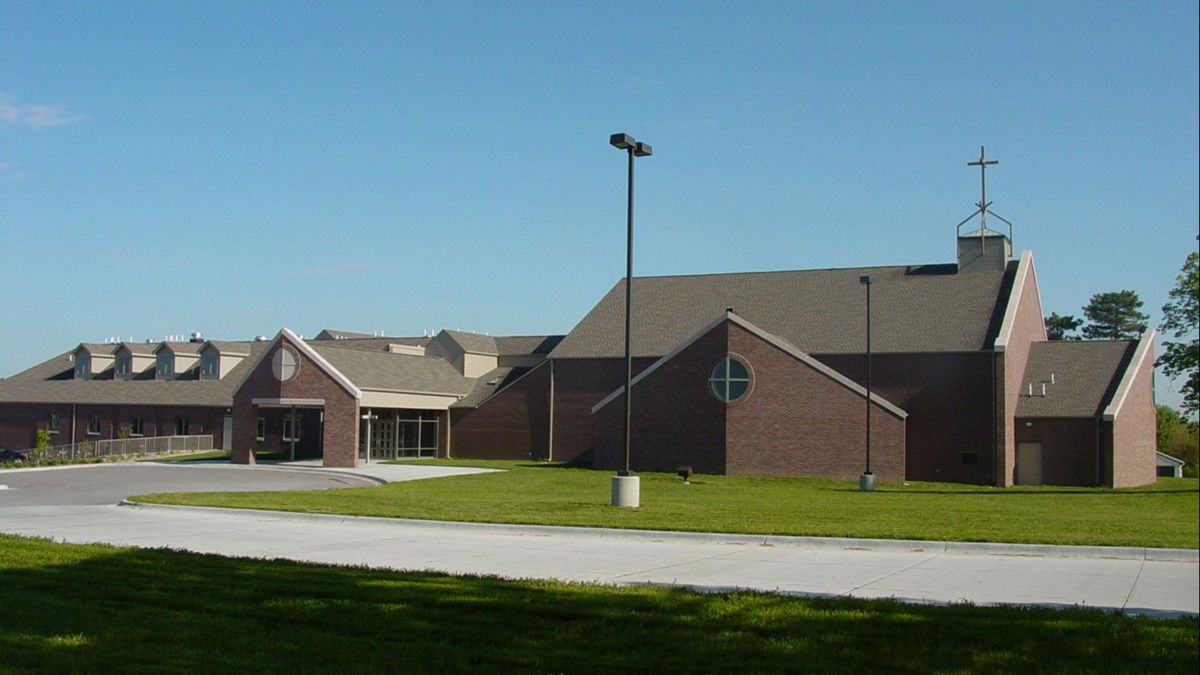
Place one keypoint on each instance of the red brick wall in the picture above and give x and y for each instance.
(675, 421)
(1028, 326)
(578, 385)
(798, 421)
(949, 404)
(339, 437)
(19, 422)
(1134, 436)
(514, 424)
(1068, 448)
(794, 421)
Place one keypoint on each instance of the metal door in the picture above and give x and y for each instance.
(1029, 464)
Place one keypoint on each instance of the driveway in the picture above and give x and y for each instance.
(96, 484)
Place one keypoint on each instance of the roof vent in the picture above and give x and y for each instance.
(260, 338)
(197, 337)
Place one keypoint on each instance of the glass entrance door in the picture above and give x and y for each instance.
(399, 434)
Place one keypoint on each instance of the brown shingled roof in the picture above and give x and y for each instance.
(519, 345)
(914, 309)
(51, 382)
(1086, 373)
(397, 372)
(473, 343)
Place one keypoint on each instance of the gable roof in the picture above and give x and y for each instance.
(180, 347)
(1086, 374)
(333, 334)
(234, 347)
(97, 348)
(393, 372)
(914, 309)
(473, 343)
(51, 382)
(138, 348)
(373, 344)
(781, 344)
(1163, 459)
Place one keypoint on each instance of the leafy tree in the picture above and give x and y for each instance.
(1062, 327)
(41, 446)
(1182, 356)
(1166, 418)
(1114, 316)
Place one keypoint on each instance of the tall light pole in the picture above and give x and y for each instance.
(625, 485)
(866, 482)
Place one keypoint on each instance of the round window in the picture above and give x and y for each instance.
(285, 364)
(729, 379)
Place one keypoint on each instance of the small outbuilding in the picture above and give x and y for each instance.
(1168, 466)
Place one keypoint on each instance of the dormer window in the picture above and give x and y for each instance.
(164, 364)
(83, 366)
(124, 365)
(210, 366)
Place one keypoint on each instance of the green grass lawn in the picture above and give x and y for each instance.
(1166, 514)
(67, 608)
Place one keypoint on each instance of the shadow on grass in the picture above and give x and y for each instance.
(72, 608)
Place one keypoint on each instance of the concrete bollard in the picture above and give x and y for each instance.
(626, 491)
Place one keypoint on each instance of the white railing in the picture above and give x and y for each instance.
(139, 446)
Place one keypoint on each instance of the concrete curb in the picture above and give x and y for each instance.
(845, 543)
(271, 467)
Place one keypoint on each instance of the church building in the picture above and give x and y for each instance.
(756, 373)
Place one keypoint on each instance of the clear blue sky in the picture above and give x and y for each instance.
(237, 167)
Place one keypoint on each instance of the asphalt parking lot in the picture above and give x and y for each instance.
(110, 483)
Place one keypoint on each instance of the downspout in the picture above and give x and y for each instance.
(448, 433)
(550, 422)
(1099, 453)
(73, 413)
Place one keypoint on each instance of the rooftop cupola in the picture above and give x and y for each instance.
(983, 249)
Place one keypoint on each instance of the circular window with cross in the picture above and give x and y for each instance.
(285, 364)
(729, 379)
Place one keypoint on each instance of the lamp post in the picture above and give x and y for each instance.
(625, 485)
(866, 482)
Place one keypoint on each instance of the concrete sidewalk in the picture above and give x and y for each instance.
(381, 472)
(1134, 585)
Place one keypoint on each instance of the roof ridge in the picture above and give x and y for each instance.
(323, 344)
(784, 271)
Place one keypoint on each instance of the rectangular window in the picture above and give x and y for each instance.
(970, 458)
(165, 365)
(52, 427)
(210, 365)
(181, 426)
(135, 426)
(291, 428)
(260, 430)
(94, 425)
(123, 365)
(83, 367)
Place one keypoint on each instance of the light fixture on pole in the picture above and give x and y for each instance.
(625, 485)
(866, 482)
